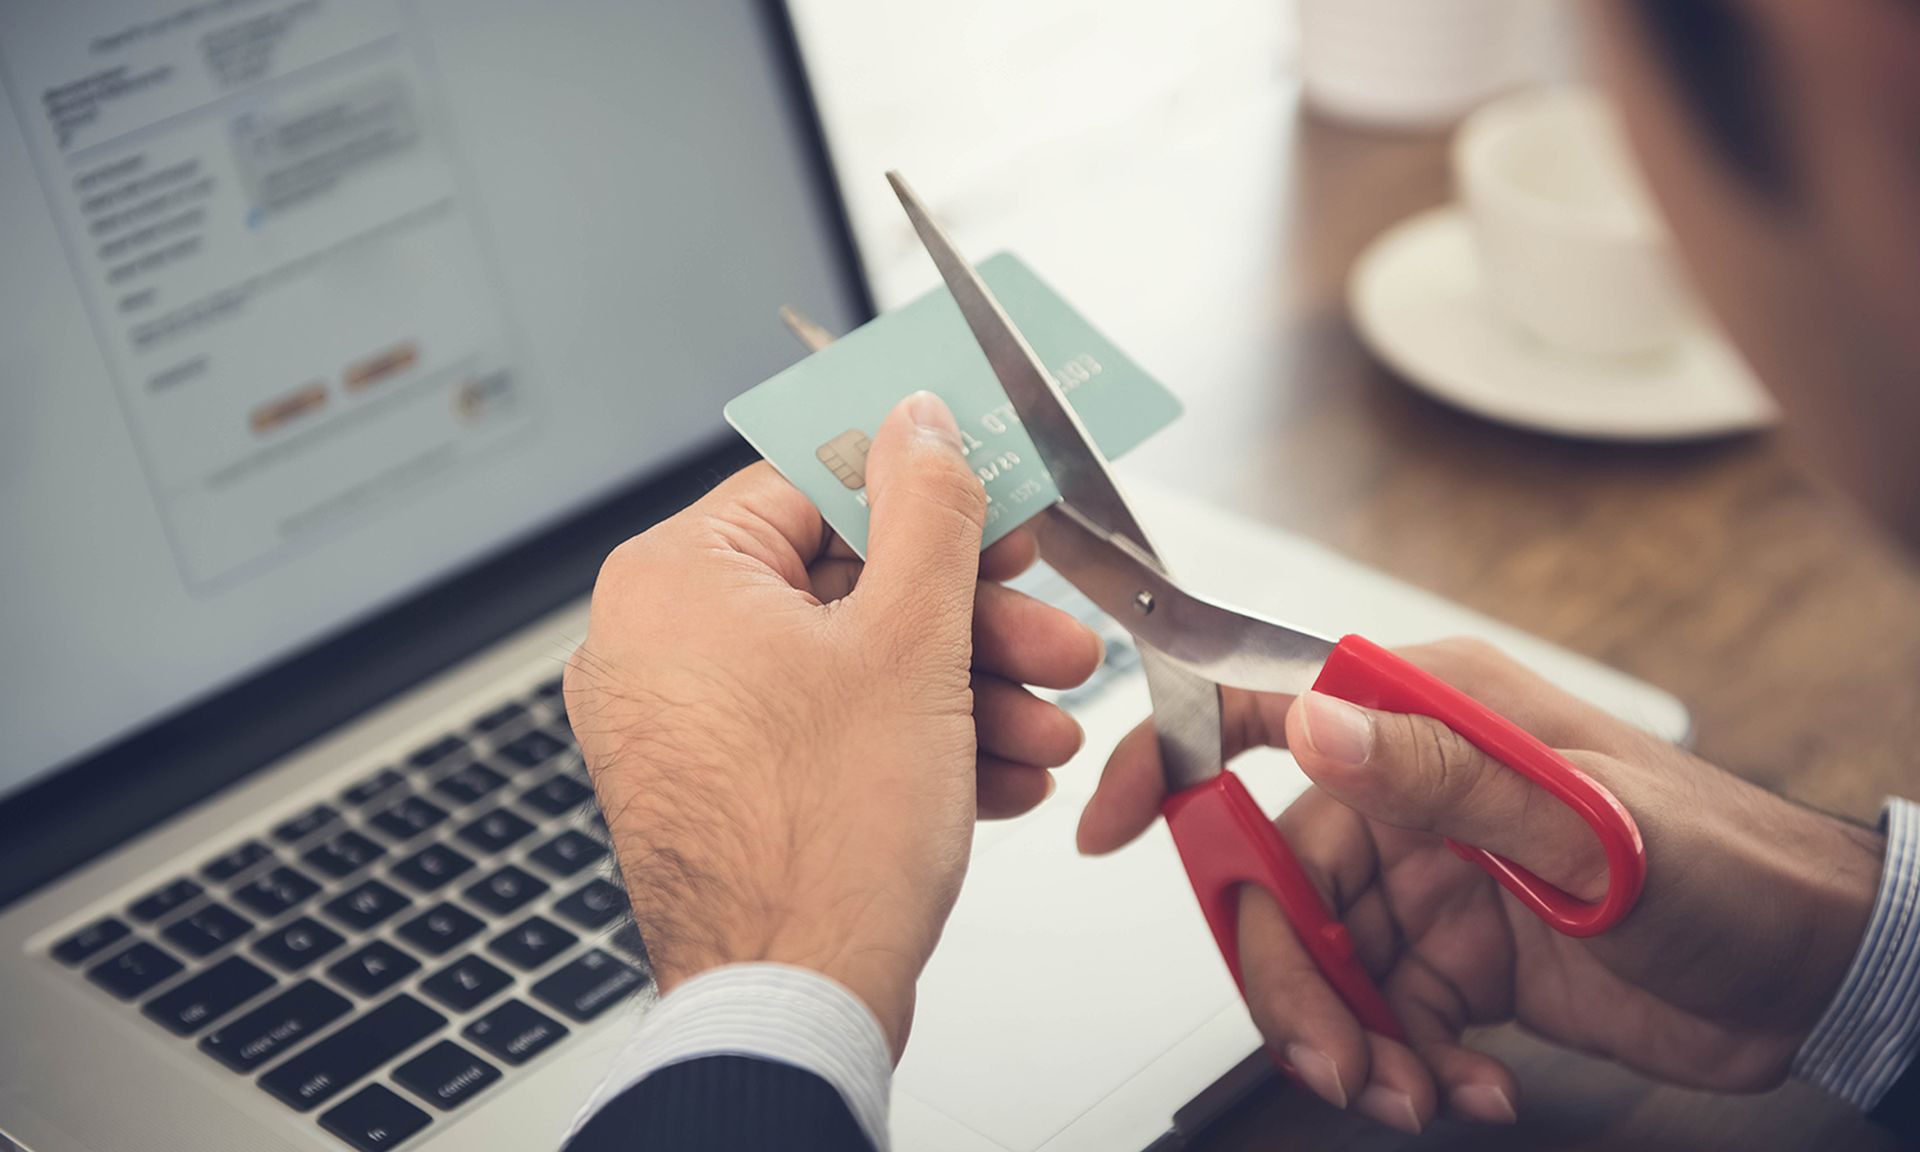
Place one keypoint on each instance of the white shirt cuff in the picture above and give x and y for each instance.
(772, 1012)
(1872, 1029)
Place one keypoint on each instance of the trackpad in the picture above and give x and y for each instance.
(1061, 977)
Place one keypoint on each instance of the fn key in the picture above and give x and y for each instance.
(374, 1118)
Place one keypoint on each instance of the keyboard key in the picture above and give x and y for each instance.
(90, 940)
(374, 1118)
(275, 891)
(595, 905)
(366, 904)
(516, 1033)
(298, 943)
(345, 854)
(470, 785)
(445, 1075)
(167, 898)
(557, 795)
(495, 832)
(227, 865)
(409, 818)
(466, 982)
(313, 1077)
(133, 971)
(550, 689)
(531, 943)
(305, 824)
(207, 930)
(589, 985)
(440, 928)
(195, 1003)
(506, 890)
(276, 1026)
(372, 788)
(438, 752)
(568, 853)
(499, 718)
(532, 748)
(432, 867)
(374, 969)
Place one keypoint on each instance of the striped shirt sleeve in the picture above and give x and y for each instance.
(1872, 1029)
(767, 1012)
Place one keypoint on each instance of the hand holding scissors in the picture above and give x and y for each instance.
(1191, 646)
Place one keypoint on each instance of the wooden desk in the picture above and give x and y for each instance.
(1718, 571)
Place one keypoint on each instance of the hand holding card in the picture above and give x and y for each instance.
(814, 420)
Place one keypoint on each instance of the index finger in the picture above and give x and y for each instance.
(1132, 787)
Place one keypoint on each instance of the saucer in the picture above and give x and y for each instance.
(1417, 298)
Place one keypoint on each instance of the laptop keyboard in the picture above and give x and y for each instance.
(381, 959)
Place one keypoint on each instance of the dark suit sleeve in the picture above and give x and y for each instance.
(1899, 1110)
(724, 1104)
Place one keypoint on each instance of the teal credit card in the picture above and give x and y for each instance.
(815, 420)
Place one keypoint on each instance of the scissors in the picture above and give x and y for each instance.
(1190, 646)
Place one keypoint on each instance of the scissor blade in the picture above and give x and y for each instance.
(1078, 469)
(1224, 645)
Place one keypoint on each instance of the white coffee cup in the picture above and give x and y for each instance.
(1570, 244)
(1418, 63)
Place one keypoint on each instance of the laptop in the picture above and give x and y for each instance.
(340, 341)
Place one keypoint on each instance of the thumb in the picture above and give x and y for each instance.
(927, 511)
(1416, 773)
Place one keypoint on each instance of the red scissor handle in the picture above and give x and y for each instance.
(1226, 841)
(1366, 674)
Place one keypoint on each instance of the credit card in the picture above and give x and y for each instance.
(815, 420)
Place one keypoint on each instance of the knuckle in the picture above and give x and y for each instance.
(626, 564)
(1270, 1003)
(1462, 659)
(951, 484)
(1449, 767)
(930, 662)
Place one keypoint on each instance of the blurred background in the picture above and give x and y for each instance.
(1177, 172)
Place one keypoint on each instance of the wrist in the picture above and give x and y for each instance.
(1834, 878)
(879, 975)
(1869, 1031)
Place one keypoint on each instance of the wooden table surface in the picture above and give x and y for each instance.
(1718, 571)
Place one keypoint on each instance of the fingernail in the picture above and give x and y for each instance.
(1483, 1102)
(1336, 729)
(1052, 786)
(1317, 1071)
(929, 411)
(1389, 1106)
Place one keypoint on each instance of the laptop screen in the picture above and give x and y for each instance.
(305, 304)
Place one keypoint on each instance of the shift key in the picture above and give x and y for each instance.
(321, 1072)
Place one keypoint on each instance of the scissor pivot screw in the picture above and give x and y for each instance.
(1144, 602)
